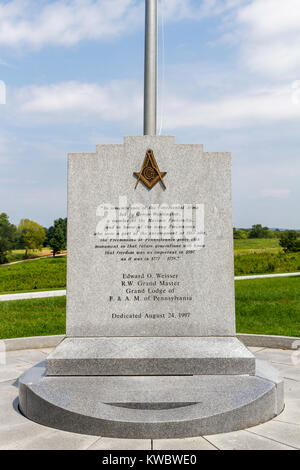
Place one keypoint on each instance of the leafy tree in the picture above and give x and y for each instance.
(239, 234)
(49, 234)
(7, 237)
(46, 241)
(57, 242)
(274, 233)
(258, 231)
(64, 226)
(19, 241)
(289, 240)
(32, 234)
(57, 236)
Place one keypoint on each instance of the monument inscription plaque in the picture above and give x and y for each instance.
(133, 279)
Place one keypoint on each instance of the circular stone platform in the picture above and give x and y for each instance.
(151, 407)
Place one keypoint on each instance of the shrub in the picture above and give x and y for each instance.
(289, 241)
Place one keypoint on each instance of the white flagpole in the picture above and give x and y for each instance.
(150, 91)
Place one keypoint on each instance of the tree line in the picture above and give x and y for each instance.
(289, 240)
(256, 231)
(31, 236)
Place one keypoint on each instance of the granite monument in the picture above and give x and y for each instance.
(150, 348)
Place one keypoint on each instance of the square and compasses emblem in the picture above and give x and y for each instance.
(150, 173)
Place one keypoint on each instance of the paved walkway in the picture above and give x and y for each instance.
(31, 259)
(33, 295)
(266, 276)
(16, 432)
(58, 293)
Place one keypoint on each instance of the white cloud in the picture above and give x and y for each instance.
(3, 143)
(270, 32)
(176, 10)
(253, 107)
(277, 58)
(268, 18)
(275, 193)
(27, 22)
(117, 101)
(122, 100)
(66, 22)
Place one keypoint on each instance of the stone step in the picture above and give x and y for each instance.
(151, 407)
(150, 356)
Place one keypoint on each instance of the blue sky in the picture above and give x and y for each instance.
(73, 71)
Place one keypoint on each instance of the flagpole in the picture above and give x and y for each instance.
(150, 84)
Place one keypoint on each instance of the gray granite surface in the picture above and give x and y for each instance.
(206, 276)
(150, 356)
(149, 407)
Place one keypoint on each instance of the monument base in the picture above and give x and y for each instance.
(122, 356)
(151, 407)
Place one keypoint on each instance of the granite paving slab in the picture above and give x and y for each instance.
(288, 372)
(121, 444)
(193, 443)
(278, 356)
(285, 433)
(244, 440)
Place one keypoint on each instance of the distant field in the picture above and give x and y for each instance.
(42, 274)
(257, 245)
(263, 256)
(18, 255)
(263, 306)
(266, 263)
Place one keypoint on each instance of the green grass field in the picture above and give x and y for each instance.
(268, 306)
(15, 255)
(257, 245)
(266, 263)
(263, 256)
(263, 306)
(41, 274)
(38, 317)
(18, 255)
